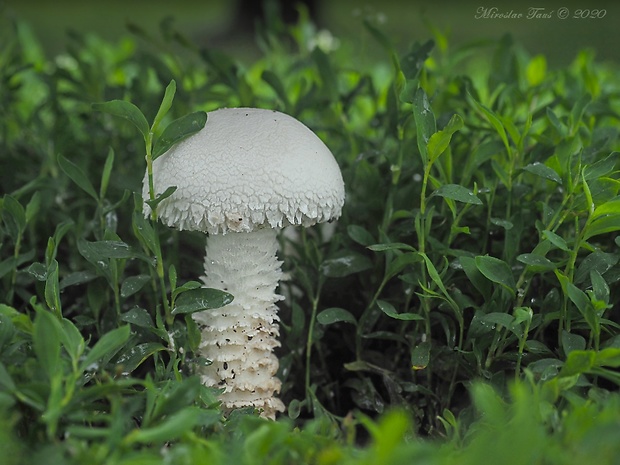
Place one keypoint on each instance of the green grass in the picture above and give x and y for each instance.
(463, 310)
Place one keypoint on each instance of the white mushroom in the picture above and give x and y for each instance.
(247, 174)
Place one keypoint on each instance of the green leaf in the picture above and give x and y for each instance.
(413, 62)
(492, 118)
(439, 141)
(33, 207)
(601, 168)
(178, 130)
(46, 341)
(14, 216)
(275, 83)
(536, 70)
(171, 428)
(571, 342)
(94, 251)
(133, 284)
(556, 240)
(390, 311)
(391, 246)
(536, 261)
(163, 196)
(458, 193)
(189, 285)
(125, 110)
(496, 270)
(476, 277)
(166, 104)
(52, 290)
(72, 340)
(78, 176)
(6, 381)
(543, 171)
(360, 235)
(139, 317)
(106, 347)
(196, 300)
(421, 355)
(344, 266)
(425, 123)
(107, 172)
(334, 315)
(135, 356)
(327, 73)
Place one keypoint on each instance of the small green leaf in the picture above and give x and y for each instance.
(163, 196)
(6, 381)
(334, 315)
(421, 355)
(390, 311)
(345, 266)
(556, 240)
(135, 356)
(413, 62)
(133, 284)
(171, 428)
(106, 347)
(78, 176)
(543, 171)
(601, 168)
(14, 216)
(139, 317)
(274, 81)
(107, 172)
(425, 123)
(46, 341)
(33, 207)
(178, 130)
(492, 118)
(95, 251)
(458, 193)
(439, 141)
(166, 104)
(125, 110)
(391, 246)
(571, 342)
(360, 235)
(72, 340)
(536, 261)
(536, 70)
(196, 300)
(52, 290)
(496, 270)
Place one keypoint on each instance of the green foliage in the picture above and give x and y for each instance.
(463, 308)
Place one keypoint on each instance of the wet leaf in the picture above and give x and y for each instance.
(458, 193)
(345, 266)
(126, 110)
(390, 311)
(78, 176)
(133, 284)
(496, 270)
(178, 130)
(335, 315)
(139, 317)
(196, 300)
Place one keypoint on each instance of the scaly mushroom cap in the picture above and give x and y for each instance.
(248, 168)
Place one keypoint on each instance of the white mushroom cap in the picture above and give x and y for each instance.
(248, 168)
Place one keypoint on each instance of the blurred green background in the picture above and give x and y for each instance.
(213, 22)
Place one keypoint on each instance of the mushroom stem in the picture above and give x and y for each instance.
(239, 338)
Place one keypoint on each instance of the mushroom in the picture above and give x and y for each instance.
(248, 173)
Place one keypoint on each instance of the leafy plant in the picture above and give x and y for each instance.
(463, 307)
